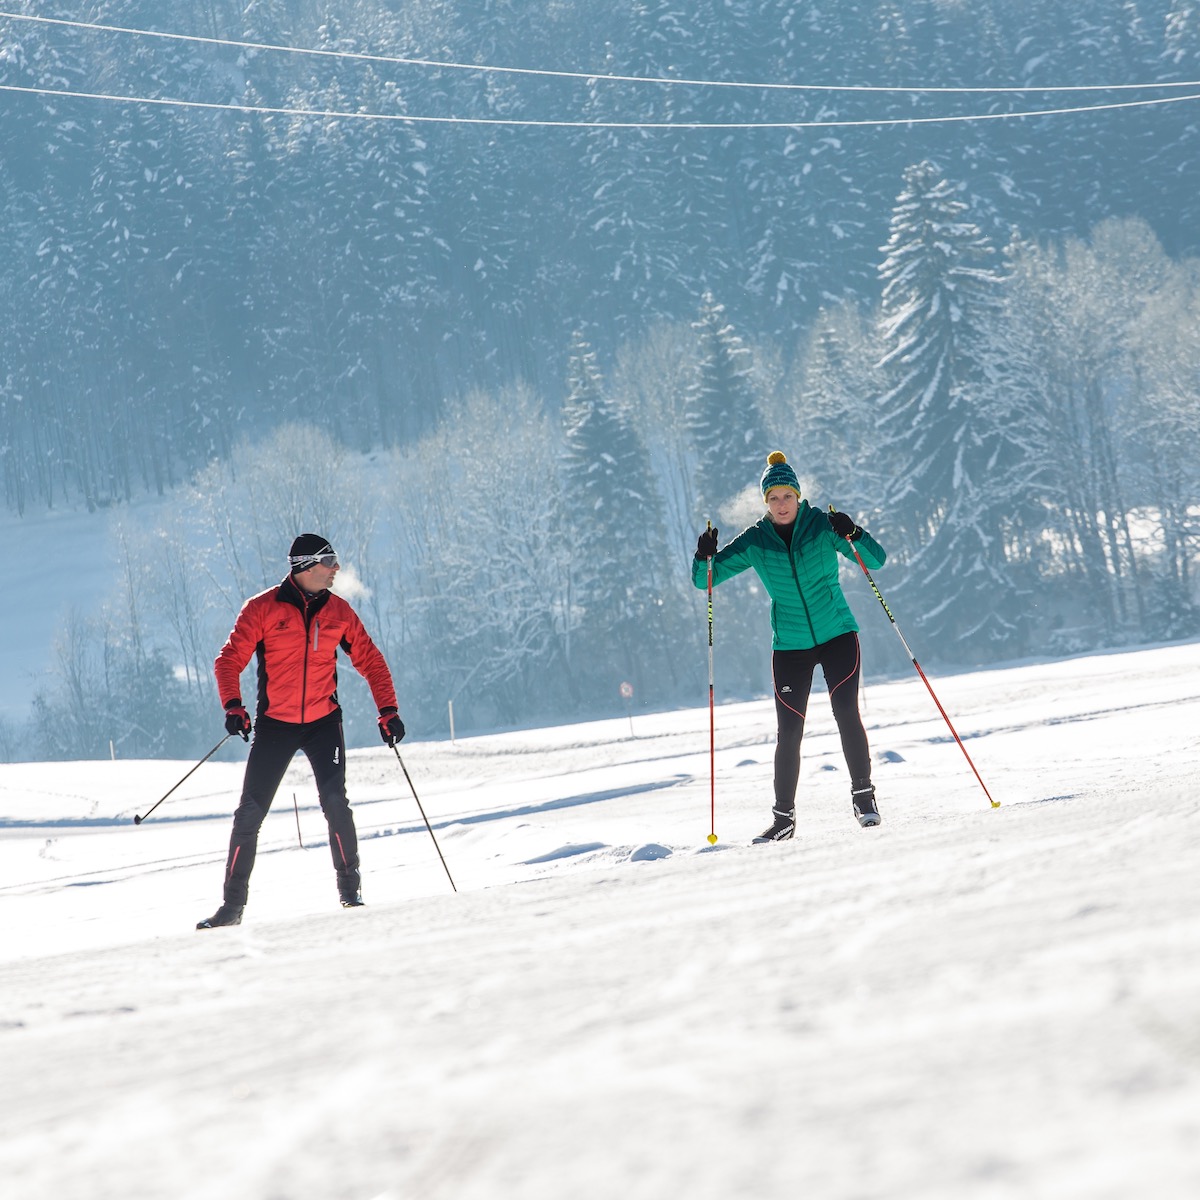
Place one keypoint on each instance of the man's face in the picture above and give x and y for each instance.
(318, 578)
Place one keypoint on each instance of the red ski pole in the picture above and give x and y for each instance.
(913, 658)
(712, 720)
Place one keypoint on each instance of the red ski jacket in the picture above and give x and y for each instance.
(296, 639)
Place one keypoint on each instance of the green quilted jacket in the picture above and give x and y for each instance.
(807, 604)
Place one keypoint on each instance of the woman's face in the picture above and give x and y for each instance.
(782, 505)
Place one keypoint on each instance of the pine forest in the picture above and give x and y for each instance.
(510, 299)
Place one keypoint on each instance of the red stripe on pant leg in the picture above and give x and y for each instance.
(233, 862)
(341, 850)
(857, 660)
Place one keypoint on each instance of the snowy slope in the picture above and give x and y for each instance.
(965, 1002)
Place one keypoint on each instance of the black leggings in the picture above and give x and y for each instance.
(841, 662)
(271, 753)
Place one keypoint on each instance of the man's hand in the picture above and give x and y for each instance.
(391, 728)
(237, 719)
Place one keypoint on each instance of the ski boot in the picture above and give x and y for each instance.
(349, 885)
(781, 829)
(862, 800)
(227, 914)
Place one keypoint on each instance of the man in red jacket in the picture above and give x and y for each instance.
(295, 631)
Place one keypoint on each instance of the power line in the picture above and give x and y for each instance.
(334, 114)
(587, 75)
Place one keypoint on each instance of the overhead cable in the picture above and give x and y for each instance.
(590, 76)
(334, 114)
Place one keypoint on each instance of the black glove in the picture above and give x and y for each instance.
(237, 719)
(391, 728)
(706, 544)
(843, 526)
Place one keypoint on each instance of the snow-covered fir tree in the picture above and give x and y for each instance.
(831, 416)
(610, 495)
(722, 414)
(945, 425)
(935, 278)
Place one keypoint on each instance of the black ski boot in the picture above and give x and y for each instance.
(862, 798)
(781, 829)
(350, 888)
(227, 914)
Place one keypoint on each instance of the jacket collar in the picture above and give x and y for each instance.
(291, 593)
(802, 511)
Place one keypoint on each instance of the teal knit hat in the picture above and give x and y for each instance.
(778, 474)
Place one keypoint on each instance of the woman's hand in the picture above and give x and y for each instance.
(843, 526)
(706, 544)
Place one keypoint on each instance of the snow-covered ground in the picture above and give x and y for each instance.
(967, 1002)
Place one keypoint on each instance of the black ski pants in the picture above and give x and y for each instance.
(275, 745)
(840, 660)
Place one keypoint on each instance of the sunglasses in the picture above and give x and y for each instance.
(302, 562)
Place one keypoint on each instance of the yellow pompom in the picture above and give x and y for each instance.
(775, 458)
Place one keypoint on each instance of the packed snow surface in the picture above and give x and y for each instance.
(967, 1002)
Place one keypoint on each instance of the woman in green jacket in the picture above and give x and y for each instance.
(794, 549)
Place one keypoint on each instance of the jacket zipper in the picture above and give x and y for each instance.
(304, 671)
(812, 633)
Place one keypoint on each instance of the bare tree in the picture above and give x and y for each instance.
(489, 573)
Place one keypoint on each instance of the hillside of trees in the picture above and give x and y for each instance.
(522, 364)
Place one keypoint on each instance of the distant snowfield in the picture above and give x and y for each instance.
(965, 1003)
(63, 559)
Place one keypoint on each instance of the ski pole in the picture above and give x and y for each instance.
(139, 820)
(712, 720)
(913, 658)
(423, 816)
(296, 807)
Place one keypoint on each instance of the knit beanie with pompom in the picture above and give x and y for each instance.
(778, 474)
